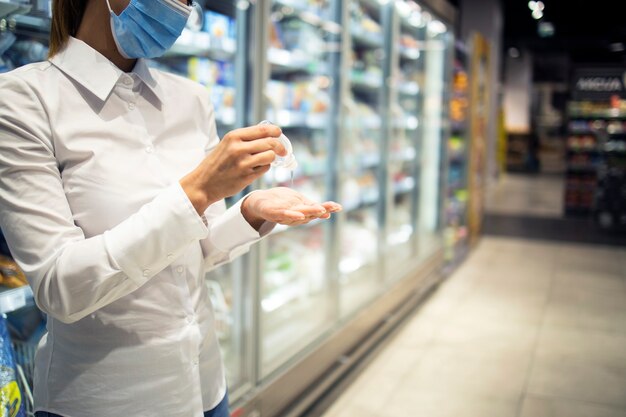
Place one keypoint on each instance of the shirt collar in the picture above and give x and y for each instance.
(95, 72)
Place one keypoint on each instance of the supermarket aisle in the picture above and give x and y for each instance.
(531, 206)
(523, 329)
(527, 195)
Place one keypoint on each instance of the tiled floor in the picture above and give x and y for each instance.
(524, 328)
(528, 195)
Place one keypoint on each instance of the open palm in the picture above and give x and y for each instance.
(286, 206)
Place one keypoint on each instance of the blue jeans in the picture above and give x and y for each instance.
(220, 411)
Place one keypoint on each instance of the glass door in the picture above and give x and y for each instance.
(211, 51)
(360, 186)
(297, 304)
(432, 177)
(407, 73)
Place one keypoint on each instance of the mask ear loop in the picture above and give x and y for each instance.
(112, 20)
(109, 6)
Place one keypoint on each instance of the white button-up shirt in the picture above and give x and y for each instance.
(92, 209)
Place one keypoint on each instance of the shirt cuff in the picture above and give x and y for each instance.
(231, 230)
(160, 231)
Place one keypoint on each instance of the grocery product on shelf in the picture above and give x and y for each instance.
(594, 151)
(610, 197)
(11, 275)
(12, 401)
(456, 231)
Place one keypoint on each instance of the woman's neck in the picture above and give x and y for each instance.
(95, 31)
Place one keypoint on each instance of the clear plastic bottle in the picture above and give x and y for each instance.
(288, 161)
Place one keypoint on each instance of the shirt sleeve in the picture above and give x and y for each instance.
(230, 234)
(72, 276)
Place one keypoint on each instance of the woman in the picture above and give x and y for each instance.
(112, 183)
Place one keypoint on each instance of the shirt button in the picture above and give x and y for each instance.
(189, 319)
(180, 269)
(128, 81)
(170, 256)
(149, 149)
(131, 106)
(146, 272)
(195, 362)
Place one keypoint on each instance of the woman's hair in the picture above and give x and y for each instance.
(66, 18)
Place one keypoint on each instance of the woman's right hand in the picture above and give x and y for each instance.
(241, 157)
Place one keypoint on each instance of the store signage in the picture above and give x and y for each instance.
(599, 83)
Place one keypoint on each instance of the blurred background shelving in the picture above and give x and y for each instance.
(456, 232)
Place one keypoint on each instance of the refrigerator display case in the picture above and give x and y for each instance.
(406, 71)
(361, 158)
(435, 132)
(358, 87)
(296, 301)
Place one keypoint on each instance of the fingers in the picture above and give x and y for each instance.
(256, 132)
(313, 210)
(306, 212)
(290, 217)
(263, 145)
(293, 218)
(293, 215)
(332, 207)
(260, 160)
(256, 173)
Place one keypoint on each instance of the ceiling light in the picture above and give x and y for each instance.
(537, 14)
(514, 52)
(617, 47)
(540, 5)
(532, 5)
(545, 29)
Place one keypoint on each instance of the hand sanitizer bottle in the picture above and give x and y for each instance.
(288, 161)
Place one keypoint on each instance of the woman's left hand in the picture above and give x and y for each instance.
(284, 206)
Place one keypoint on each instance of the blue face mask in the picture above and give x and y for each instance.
(148, 28)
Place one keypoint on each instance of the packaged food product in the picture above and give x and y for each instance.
(11, 275)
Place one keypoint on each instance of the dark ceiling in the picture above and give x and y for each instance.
(584, 29)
